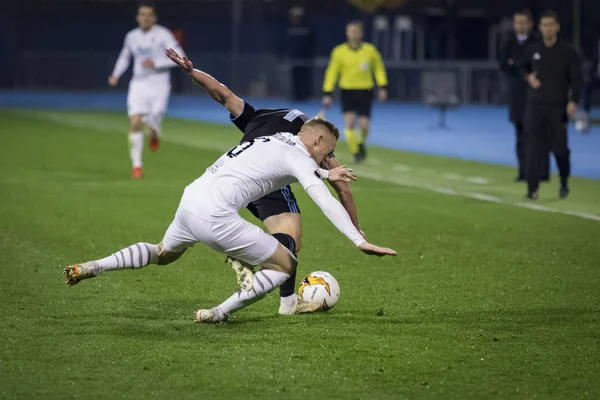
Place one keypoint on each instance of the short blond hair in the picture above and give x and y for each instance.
(316, 122)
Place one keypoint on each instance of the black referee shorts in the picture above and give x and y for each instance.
(278, 202)
(358, 101)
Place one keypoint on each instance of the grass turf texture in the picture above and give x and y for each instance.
(484, 300)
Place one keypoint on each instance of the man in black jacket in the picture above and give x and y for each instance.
(511, 56)
(553, 71)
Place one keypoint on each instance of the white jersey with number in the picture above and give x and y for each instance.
(249, 172)
(256, 168)
(150, 45)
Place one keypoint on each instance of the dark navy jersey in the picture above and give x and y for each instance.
(268, 121)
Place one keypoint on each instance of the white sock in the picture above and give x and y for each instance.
(135, 256)
(265, 281)
(136, 146)
(288, 300)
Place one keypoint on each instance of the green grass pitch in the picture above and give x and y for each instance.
(486, 299)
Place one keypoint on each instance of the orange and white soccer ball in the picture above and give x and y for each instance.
(320, 287)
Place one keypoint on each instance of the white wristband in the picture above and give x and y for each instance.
(323, 173)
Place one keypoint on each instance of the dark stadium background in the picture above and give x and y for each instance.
(73, 44)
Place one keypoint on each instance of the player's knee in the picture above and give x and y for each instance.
(135, 123)
(166, 257)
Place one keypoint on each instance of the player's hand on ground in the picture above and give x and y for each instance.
(327, 101)
(148, 63)
(113, 81)
(374, 250)
(533, 81)
(382, 95)
(182, 62)
(572, 108)
(341, 174)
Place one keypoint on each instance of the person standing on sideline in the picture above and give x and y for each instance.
(354, 63)
(591, 82)
(511, 55)
(553, 71)
(150, 86)
(300, 48)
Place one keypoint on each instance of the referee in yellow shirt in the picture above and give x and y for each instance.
(354, 63)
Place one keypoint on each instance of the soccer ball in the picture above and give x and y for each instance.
(320, 287)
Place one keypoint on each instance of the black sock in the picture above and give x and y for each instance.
(288, 287)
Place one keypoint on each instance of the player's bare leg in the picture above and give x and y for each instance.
(276, 270)
(363, 124)
(136, 256)
(136, 145)
(350, 133)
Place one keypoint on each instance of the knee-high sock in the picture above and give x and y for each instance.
(135, 256)
(352, 140)
(136, 146)
(265, 281)
(288, 287)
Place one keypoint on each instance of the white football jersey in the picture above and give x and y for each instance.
(148, 45)
(248, 172)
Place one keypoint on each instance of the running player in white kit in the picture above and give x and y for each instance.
(150, 86)
(208, 213)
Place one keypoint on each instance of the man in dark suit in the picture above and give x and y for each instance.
(511, 56)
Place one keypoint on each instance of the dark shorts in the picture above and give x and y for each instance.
(278, 202)
(357, 101)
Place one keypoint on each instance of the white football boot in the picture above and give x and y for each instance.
(300, 306)
(245, 275)
(210, 316)
(78, 272)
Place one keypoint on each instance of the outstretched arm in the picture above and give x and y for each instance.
(308, 175)
(340, 218)
(211, 86)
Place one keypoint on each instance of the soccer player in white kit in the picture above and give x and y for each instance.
(208, 213)
(150, 86)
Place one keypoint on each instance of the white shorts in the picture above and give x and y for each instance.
(233, 236)
(147, 98)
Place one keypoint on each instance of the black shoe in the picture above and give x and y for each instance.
(520, 178)
(545, 178)
(532, 196)
(564, 191)
(357, 158)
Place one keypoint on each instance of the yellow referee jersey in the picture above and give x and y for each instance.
(355, 68)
